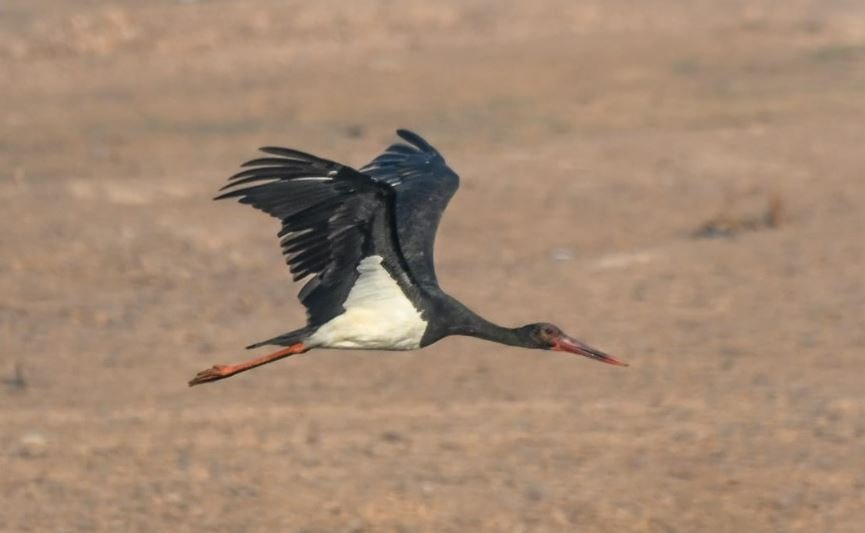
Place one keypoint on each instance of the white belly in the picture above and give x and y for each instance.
(378, 316)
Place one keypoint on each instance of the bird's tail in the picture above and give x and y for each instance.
(286, 339)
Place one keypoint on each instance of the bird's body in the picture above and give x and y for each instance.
(366, 238)
(377, 316)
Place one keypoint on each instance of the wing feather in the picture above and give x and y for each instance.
(333, 216)
(424, 185)
(329, 214)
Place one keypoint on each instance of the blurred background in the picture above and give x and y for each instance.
(677, 182)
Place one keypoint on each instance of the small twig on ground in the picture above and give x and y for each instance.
(728, 225)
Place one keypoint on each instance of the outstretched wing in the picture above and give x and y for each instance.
(332, 217)
(424, 185)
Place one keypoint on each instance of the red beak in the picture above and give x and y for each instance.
(570, 345)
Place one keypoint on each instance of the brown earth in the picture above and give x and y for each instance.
(595, 140)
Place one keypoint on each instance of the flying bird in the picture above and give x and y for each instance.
(364, 239)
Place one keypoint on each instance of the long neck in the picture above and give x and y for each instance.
(469, 323)
(484, 329)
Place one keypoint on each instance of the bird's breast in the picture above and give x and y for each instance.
(378, 315)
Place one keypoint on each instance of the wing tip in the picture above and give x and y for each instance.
(415, 139)
(228, 194)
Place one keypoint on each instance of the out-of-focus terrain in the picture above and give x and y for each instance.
(599, 142)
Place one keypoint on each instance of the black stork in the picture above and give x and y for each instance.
(366, 239)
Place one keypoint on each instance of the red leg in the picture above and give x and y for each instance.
(217, 372)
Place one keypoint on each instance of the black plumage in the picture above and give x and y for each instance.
(424, 185)
(333, 216)
(379, 222)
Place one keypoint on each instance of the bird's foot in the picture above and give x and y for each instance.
(217, 372)
(214, 373)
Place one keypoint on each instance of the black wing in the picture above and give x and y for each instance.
(332, 217)
(424, 185)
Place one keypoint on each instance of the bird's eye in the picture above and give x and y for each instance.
(549, 331)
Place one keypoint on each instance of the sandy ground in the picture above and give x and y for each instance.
(594, 139)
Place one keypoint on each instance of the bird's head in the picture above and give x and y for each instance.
(545, 336)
